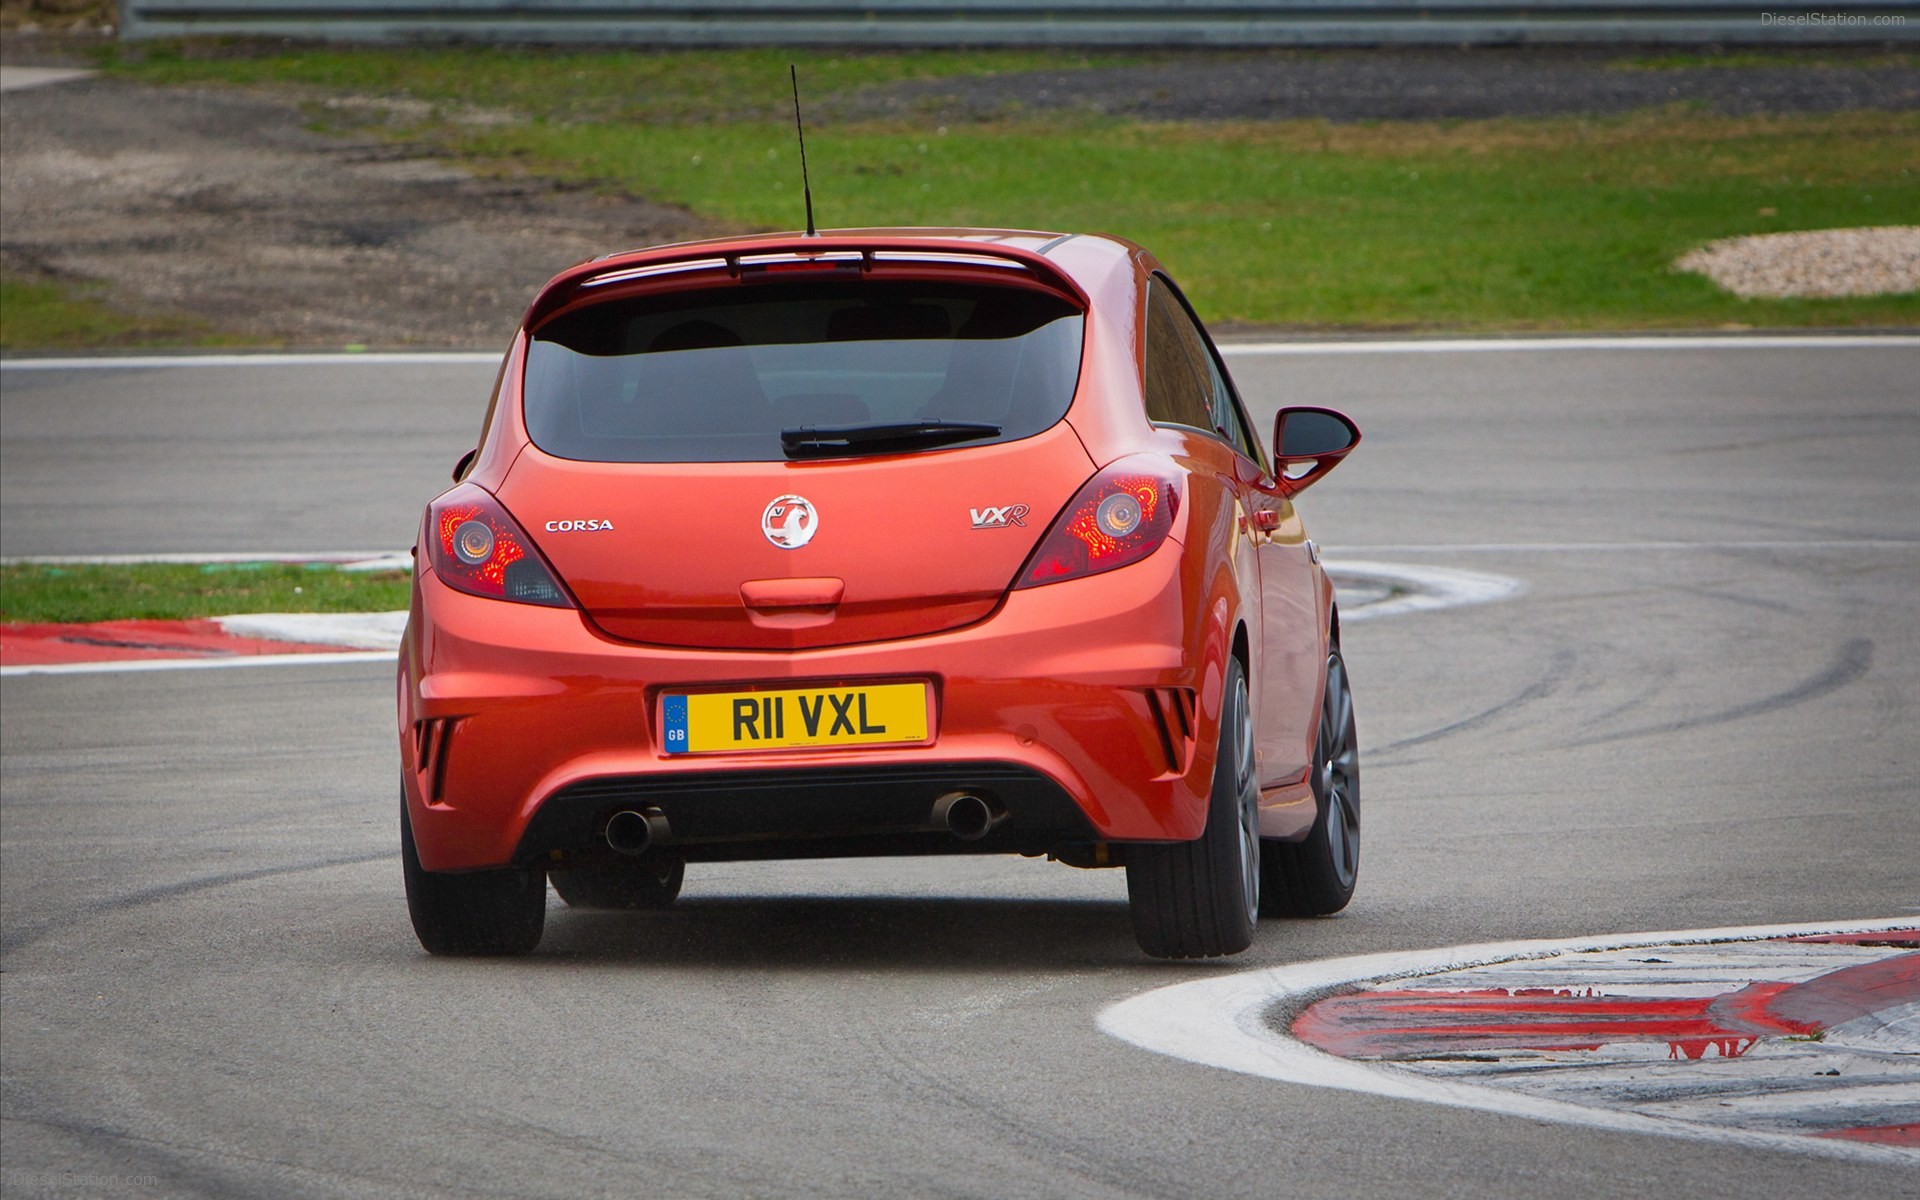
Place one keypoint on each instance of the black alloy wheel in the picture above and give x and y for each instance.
(1315, 877)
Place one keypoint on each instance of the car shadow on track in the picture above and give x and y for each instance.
(851, 932)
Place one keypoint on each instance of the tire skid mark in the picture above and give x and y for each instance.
(167, 891)
(1648, 679)
(1041, 1147)
(1705, 592)
(1849, 664)
(197, 1166)
(1559, 668)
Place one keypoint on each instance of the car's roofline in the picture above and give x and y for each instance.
(1031, 239)
(1026, 248)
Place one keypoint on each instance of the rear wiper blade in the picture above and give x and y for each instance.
(829, 440)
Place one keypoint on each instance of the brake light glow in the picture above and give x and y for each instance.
(477, 548)
(1120, 517)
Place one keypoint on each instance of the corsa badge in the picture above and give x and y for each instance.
(789, 522)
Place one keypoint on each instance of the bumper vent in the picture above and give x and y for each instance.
(430, 741)
(1175, 716)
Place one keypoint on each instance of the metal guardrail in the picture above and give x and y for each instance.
(1219, 23)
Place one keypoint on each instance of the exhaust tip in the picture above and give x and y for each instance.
(631, 832)
(967, 816)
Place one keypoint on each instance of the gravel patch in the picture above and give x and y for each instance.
(1818, 263)
(224, 206)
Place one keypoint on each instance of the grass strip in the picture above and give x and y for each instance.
(52, 316)
(81, 592)
(1512, 224)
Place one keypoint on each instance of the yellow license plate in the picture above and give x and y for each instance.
(857, 715)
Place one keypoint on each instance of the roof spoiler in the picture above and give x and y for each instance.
(773, 258)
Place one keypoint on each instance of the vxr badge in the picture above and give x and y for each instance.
(998, 518)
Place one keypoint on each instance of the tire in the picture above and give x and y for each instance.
(1200, 899)
(471, 912)
(652, 881)
(1315, 877)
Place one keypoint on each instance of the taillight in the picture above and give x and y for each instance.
(476, 547)
(1119, 517)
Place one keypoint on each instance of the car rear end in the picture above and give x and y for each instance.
(781, 549)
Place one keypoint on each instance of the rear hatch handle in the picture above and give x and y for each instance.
(773, 595)
(790, 604)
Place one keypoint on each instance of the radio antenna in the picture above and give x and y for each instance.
(806, 187)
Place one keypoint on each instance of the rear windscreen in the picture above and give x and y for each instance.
(717, 376)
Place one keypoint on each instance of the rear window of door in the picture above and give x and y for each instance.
(1185, 383)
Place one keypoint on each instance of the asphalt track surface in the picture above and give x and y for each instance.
(1701, 712)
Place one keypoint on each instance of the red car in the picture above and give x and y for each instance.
(878, 542)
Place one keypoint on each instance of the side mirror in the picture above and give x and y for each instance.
(1309, 442)
(466, 461)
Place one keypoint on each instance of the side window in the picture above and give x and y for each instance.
(1177, 391)
(1226, 414)
(1217, 410)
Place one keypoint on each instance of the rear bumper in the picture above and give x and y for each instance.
(521, 727)
(819, 812)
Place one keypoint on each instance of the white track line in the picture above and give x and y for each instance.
(1224, 1022)
(150, 362)
(1405, 346)
(15, 79)
(191, 558)
(1512, 345)
(1610, 547)
(1427, 588)
(202, 664)
(381, 631)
